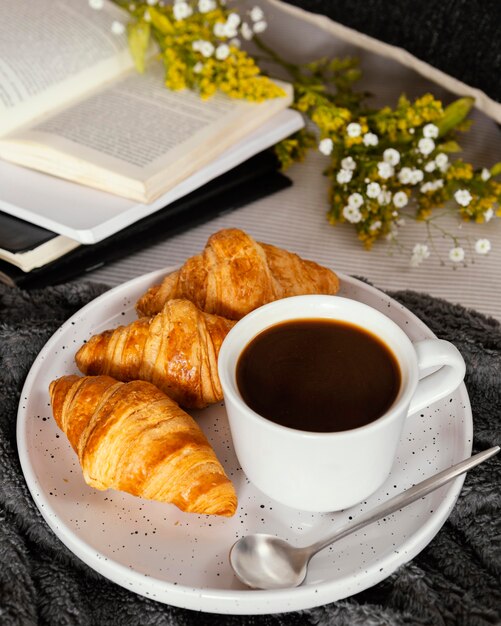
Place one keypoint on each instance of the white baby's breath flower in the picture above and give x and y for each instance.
(391, 156)
(426, 146)
(181, 10)
(430, 166)
(416, 177)
(222, 52)
(384, 198)
(151, 2)
(235, 42)
(246, 31)
(230, 31)
(205, 6)
(375, 225)
(147, 16)
(420, 252)
(456, 255)
(485, 174)
(348, 163)
(233, 19)
(325, 146)
(404, 176)
(117, 28)
(430, 131)
(344, 176)
(370, 139)
(400, 221)
(400, 199)
(373, 190)
(219, 29)
(482, 246)
(431, 185)
(353, 129)
(352, 214)
(197, 44)
(198, 67)
(206, 49)
(132, 7)
(428, 186)
(259, 27)
(385, 170)
(488, 215)
(96, 4)
(463, 197)
(256, 14)
(442, 161)
(356, 200)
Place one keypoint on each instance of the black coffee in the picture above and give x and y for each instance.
(318, 375)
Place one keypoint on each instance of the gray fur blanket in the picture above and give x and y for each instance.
(455, 580)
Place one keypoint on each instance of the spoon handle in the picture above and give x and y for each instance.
(407, 497)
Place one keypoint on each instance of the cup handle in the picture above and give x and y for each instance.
(432, 353)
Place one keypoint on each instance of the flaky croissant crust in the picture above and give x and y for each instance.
(176, 350)
(134, 438)
(235, 275)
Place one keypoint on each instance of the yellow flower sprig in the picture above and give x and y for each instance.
(384, 165)
(199, 44)
(382, 162)
(390, 164)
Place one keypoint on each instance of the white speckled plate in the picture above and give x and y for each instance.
(182, 559)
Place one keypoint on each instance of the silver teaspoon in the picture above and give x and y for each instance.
(267, 562)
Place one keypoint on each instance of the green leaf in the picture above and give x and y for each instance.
(454, 114)
(449, 146)
(139, 38)
(403, 101)
(496, 169)
(160, 21)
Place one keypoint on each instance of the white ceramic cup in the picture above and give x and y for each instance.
(323, 472)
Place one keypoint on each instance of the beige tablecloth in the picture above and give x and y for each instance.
(295, 218)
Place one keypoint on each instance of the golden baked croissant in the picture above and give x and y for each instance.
(235, 274)
(134, 438)
(176, 350)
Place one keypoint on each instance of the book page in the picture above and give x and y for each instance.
(94, 215)
(135, 128)
(53, 51)
(40, 256)
(130, 124)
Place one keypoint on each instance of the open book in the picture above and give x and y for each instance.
(72, 105)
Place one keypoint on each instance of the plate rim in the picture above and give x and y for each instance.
(228, 601)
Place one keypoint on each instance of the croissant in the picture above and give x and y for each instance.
(176, 350)
(134, 438)
(234, 275)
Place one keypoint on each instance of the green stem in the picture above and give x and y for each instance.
(432, 242)
(274, 56)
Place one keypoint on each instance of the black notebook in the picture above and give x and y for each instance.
(18, 236)
(253, 179)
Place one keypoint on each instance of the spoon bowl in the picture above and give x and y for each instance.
(260, 557)
(268, 562)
